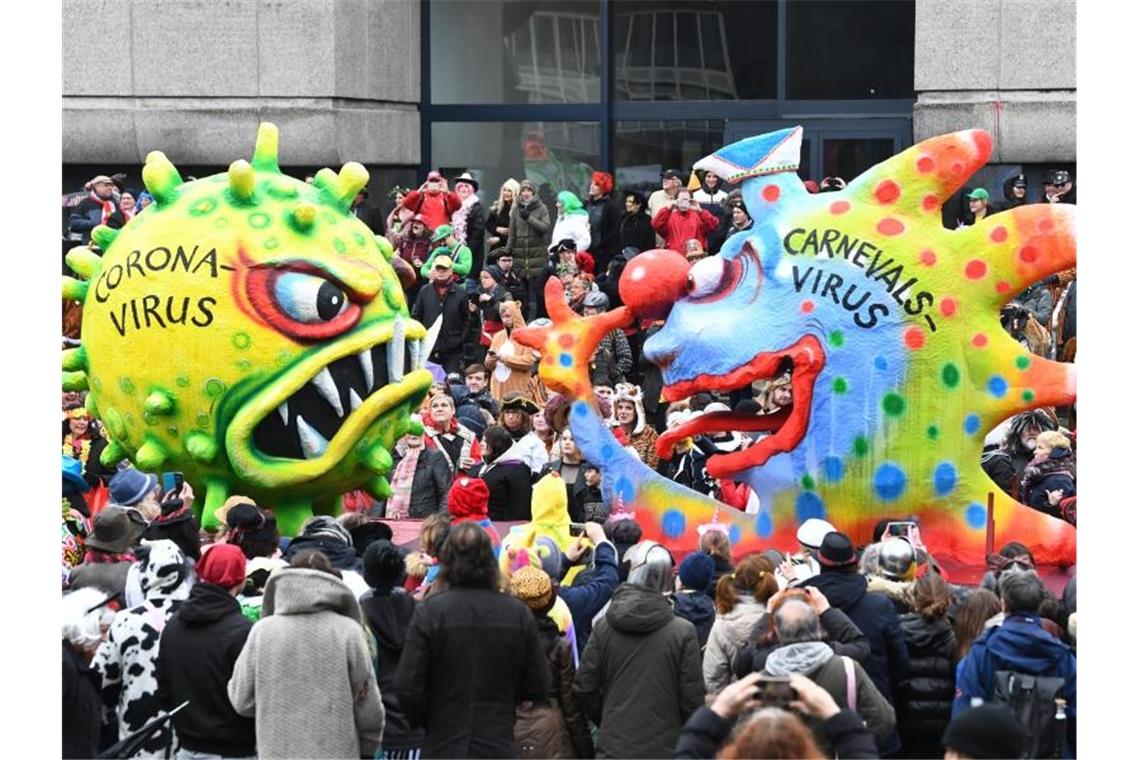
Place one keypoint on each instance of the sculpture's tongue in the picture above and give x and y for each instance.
(719, 422)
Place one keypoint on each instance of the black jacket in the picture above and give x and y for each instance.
(472, 654)
(430, 484)
(372, 217)
(706, 732)
(82, 708)
(604, 240)
(476, 231)
(342, 556)
(87, 216)
(388, 617)
(698, 609)
(510, 487)
(925, 696)
(840, 634)
(196, 656)
(1008, 201)
(453, 307)
(636, 230)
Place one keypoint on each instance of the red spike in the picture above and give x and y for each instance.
(1026, 245)
(532, 337)
(556, 305)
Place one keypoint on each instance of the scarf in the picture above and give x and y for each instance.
(80, 448)
(108, 206)
(803, 658)
(402, 477)
(459, 218)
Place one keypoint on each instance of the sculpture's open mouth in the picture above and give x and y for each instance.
(313, 415)
(787, 426)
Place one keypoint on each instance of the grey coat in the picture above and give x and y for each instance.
(305, 673)
(530, 237)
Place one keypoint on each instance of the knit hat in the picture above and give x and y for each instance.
(812, 532)
(985, 731)
(116, 529)
(836, 552)
(129, 486)
(384, 565)
(533, 588)
(471, 418)
(222, 565)
(467, 500)
(696, 571)
(369, 533)
(603, 180)
(324, 526)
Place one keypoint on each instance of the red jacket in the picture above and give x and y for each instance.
(677, 228)
(436, 208)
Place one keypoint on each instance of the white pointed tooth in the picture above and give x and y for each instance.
(432, 336)
(283, 410)
(354, 401)
(395, 350)
(312, 442)
(414, 349)
(323, 382)
(365, 357)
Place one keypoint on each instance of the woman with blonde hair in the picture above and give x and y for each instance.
(741, 599)
(499, 218)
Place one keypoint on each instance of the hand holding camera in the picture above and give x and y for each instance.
(811, 699)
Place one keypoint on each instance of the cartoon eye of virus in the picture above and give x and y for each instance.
(247, 330)
(882, 328)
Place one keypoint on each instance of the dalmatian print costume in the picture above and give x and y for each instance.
(125, 660)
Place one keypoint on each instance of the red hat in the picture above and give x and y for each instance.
(603, 180)
(467, 499)
(222, 565)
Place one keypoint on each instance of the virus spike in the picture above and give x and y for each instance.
(556, 305)
(89, 405)
(379, 487)
(161, 178)
(385, 246)
(75, 359)
(1024, 246)
(159, 402)
(150, 456)
(201, 447)
(303, 216)
(1042, 383)
(265, 149)
(216, 495)
(415, 427)
(326, 183)
(74, 290)
(112, 454)
(103, 236)
(75, 381)
(241, 180)
(84, 262)
(352, 178)
(379, 460)
(936, 167)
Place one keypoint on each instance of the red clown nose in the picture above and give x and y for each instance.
(653, 281)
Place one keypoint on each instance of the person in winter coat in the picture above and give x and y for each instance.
(472, 655)
(741, 599)
(387, 611)
(1005, 461)
(681, 221)
(95, 209)
(125, 661)
(449, 437)
(433, 201)
(529, 238)
(515, 284)
(446, 244)
(640, 676)
(630, 415)
(440, 296)
(413, 242)
(196, 657)
(490, 297)
(309, 613)
(327, 536)
(801, 651)
(554, 727)
(715, 543)
(612, 361)
(509, 362)
(604, 218)
(925, 696)
(420, 479)
(771, 731)
(591, 591)
(86, 615)
(109, 550)
(736, 220)
(572, 221)
(690, 602)
(710, 191)
(82, 441)
(1014, 192)
(498, 227)
(1051, 476)
(635, 230)
(517, 415)
(507, 476)
(469, 221)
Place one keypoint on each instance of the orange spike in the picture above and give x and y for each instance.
(556, 305)
(1024, 246)
(936, 168)
(532, 337)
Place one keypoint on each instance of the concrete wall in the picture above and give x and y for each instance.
(1007, 66)
(340, 78)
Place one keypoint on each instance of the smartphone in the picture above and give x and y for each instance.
(171, 482)
(775, 692)
(577, 529)
(907, 529)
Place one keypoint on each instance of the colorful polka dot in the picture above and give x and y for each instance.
(734, 534)
(890, 481)
(999, 234)
(979, 340)
(1002, 287)
(930, 202)
(833, 469)
(893, 404)
(997, 386)
(808, 482)
(624, 489)
(565, 359)
(581, 408)
(839, 385)
(259, 220)
(607, 452)
(835, 338)
(957, 168)
(890, 226)
(948, 307)
(809, 505)
(673, 523)
(1028, 254)
(976, 515)
(861, 446)
(339, 245)
(1022, 362)
(914, 338)
(971, 424)
(932, 432)
(764, 524)
(1045, 225)
(928, 258)
(976, 269)
(840, 207)
(807, 307)
(880, 364)
(945, 478)
(566, 340)
(888, 191)
(925, 164)
(771, 193)
(951, 375)
(1027, 395)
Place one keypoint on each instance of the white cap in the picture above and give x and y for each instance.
(717, 406)
(811, 533)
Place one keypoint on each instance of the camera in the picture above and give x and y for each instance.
(775, 692)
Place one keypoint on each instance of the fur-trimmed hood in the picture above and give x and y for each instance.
(630, 392)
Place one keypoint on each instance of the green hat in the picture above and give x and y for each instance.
(979, 194)
(443, 230)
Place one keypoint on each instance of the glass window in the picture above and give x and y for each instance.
(643, 149)
(506, 51)
(850, 49)
(685, 50)
(848, 158)
(558, 154)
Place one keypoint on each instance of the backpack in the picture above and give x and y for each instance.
(1032, 700)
